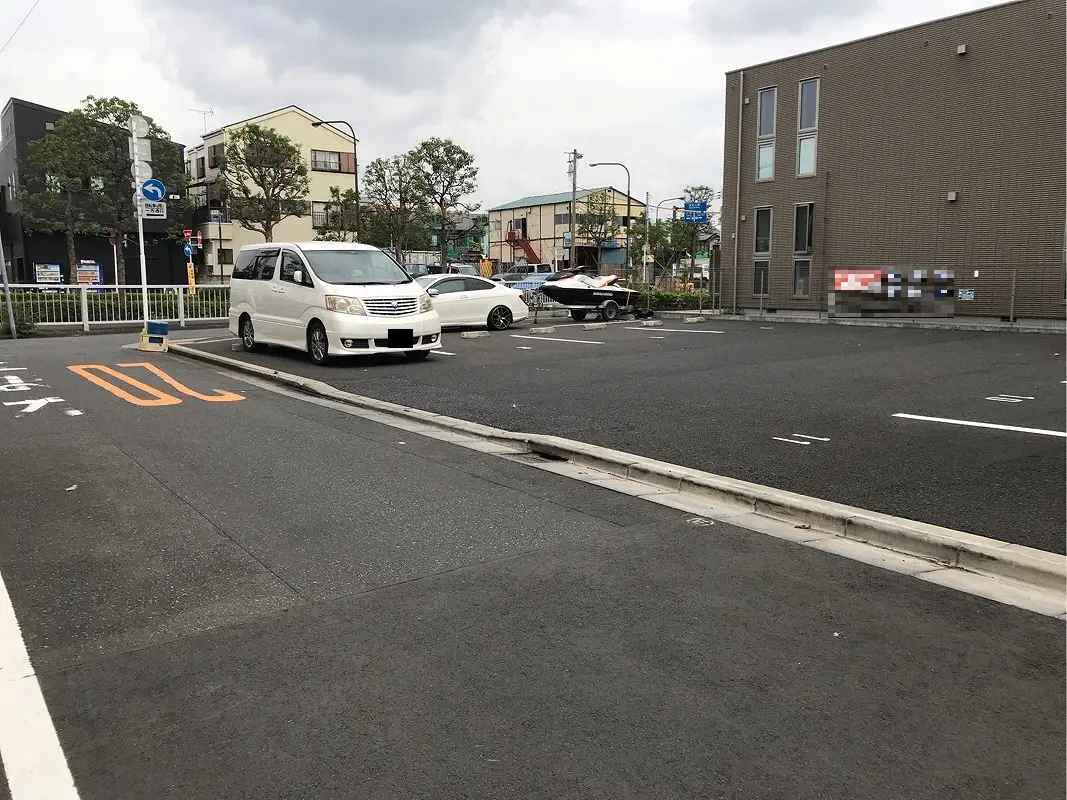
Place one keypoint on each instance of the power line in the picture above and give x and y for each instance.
(19, 26)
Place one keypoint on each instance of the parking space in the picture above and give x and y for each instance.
(961, 429)
(266, 597)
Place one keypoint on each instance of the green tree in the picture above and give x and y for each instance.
(55, 194)
(597, 219)
(340, 217)
(693, 234)
(99, 133)
(400, 203)
(447, 173)
(666, 239)
(266, 179)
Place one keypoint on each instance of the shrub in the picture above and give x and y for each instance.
(25, 319)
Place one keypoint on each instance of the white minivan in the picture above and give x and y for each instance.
(330, 299)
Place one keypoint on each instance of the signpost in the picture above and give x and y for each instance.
(149, 193)
(695, 213)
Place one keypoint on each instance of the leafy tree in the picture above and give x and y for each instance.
(447, 173)
(340, 217)
(667, 239)
(54, 195)
(398, 196)
(266, 179)
(89, 189)
(693, 233)
(596, 220)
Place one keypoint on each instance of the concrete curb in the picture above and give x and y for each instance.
(991, 327)
(968, 551)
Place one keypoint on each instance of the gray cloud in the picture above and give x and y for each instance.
(751, 18)
(399, 46)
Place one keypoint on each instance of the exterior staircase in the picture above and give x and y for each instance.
(514, 238)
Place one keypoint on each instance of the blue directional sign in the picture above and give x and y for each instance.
(695, 213)
(153, 190)
(188, 251)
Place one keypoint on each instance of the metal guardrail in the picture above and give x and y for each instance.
(58, 305)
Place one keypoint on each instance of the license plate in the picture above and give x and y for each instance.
(399, 337)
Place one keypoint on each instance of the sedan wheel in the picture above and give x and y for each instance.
(499, 319)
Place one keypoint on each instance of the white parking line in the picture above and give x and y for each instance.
(675, 330)
(805, 436)
(29, 746)
(791, 441)
(971, 424)
(551, 339)
(441, 353)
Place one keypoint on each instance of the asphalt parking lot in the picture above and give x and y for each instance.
(808, 408)
(224, 593)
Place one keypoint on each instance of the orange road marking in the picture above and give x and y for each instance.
(218, 395)
(156, 397)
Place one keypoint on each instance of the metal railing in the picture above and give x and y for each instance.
(99, 305)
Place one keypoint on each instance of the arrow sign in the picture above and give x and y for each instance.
(188, 251)
(34, 405)
(153, 190)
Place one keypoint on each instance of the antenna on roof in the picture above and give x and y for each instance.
(205, 113)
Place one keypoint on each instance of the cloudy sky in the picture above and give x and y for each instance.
(634, 81)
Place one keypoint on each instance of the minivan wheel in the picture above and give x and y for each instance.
(318, 344)
(499, 319)
(248, 335)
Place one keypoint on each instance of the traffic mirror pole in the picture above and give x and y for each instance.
(7, 293)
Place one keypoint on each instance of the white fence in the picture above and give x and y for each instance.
(98, 305)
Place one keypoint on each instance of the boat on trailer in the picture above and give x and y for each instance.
(581, 294)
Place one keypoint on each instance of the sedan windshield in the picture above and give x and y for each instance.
(356, 267)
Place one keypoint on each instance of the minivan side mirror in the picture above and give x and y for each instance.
(298, 276)
(432, 292)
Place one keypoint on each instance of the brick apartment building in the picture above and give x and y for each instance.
(941, 146)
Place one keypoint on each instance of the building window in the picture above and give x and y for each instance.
(767, 109)
(325, 161)
(320, 212)
(215, 154)
(49, 126)
(807, 126)
(802, 277)
(494, 226)
(763, 231)
(803, 226)
(809, 105)
(225, 255)
(768, 101)
(563, 219)
(765, 162)
(761, 275)
(200, 170)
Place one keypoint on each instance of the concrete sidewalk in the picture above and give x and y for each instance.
(988, 324)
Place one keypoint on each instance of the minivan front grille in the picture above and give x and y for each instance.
(391, 306)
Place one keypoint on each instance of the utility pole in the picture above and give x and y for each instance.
(648, 246)
(573, 170)
(7, 294)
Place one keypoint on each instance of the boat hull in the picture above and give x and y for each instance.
(574, 297)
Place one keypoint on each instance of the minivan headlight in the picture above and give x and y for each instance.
(344, 305)
(425, 303)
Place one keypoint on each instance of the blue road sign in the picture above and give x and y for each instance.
(153, 190)
(696, 207)
(695, 217)
(188, 251)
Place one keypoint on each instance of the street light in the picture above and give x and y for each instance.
(619, 164)
(661, 202)
(355, 160)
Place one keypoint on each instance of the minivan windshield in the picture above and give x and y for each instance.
(356, 267)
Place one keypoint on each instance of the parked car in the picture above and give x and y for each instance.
(330, 299)
(416, 270)
(466, 300)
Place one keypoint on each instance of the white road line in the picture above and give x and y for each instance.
(675, 330)
(441, 353)
(551, 339)
(791, 441)
(971, 424)
(73, 412)
(805, 436)
(522, 347)
(763, 328)
(29, 746)
(1017, 396)
(657, 337)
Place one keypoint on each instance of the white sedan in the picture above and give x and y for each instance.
(465, 300)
